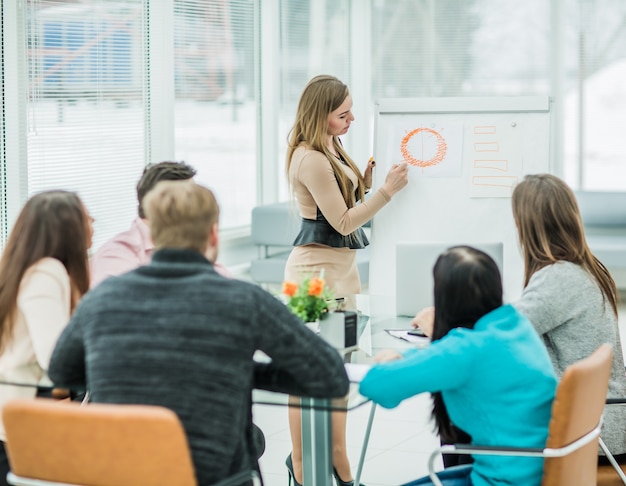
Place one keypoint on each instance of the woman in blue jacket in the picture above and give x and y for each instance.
(487, 369)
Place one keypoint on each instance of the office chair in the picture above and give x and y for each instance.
(51, 443)
(571, 452)
(612, 474)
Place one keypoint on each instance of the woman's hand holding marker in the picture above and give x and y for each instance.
(367, 175)
(397, 178)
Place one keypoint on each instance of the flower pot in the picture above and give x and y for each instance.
(313, 326)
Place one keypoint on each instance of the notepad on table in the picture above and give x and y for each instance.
(404, 335)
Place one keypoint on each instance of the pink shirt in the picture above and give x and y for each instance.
(122, 253)
(125, 252)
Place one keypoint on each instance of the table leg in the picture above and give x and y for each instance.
(317, 447)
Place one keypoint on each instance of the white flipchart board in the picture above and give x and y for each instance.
(466, 155)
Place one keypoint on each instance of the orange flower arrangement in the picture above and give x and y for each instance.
(308, 300)
(316, 286)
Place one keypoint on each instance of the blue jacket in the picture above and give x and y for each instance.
(497, 382)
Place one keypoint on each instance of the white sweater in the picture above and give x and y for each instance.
(43, 311)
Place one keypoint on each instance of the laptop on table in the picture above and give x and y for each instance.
(414, 271)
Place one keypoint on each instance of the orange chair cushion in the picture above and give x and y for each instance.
(97, 444)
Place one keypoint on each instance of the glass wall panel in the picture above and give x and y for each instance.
(459, 48)
(215, 107)
(595, 94)
(314, 39)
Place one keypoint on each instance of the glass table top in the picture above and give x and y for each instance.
(375, 315)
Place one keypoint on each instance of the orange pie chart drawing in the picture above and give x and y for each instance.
(429, 143)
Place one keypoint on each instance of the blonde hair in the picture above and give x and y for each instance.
(321, 96)
(550, 229)
(181, 214)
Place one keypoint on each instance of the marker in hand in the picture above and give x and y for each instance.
(397, 178)
(368, 173)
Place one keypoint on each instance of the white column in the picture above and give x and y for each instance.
(267, 24)
(557, 69)
(159, 18)
(359, 143)
(15, 101)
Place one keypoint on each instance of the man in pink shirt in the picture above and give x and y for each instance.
(133, 247)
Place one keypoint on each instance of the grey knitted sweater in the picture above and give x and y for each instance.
(567, 308)
(177, 334)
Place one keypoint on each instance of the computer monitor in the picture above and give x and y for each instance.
(414, 271)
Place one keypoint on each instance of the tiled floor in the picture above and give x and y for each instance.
(398, 448)
(399, 445)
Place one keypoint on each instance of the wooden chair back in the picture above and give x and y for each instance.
(577, 409)
(97, 444)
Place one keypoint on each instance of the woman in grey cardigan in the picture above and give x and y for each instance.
(569, 295)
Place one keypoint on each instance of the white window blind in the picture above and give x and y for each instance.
(87, 104)
(215, 108)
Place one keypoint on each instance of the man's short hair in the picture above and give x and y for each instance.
(163, 171)
(181, 214)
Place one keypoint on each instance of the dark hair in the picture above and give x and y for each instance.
(163, 171)
(550, 229)
(51, 224)
(468, 285)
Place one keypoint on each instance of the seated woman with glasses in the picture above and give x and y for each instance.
(487, 369)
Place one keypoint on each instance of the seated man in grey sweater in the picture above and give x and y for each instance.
(175, 333)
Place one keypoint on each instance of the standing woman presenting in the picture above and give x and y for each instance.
(327, 185)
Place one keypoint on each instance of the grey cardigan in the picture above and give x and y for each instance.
(566, 306)
(177, 334)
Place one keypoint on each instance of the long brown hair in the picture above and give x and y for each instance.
(321, 96)
(51, 224)
(550, 229)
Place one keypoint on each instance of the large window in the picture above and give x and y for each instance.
(493, 47)
(216, 105)
(409, 39)
(94, 89)
(314, 39)
(86, 104)
(459, 48)
(595, 94)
